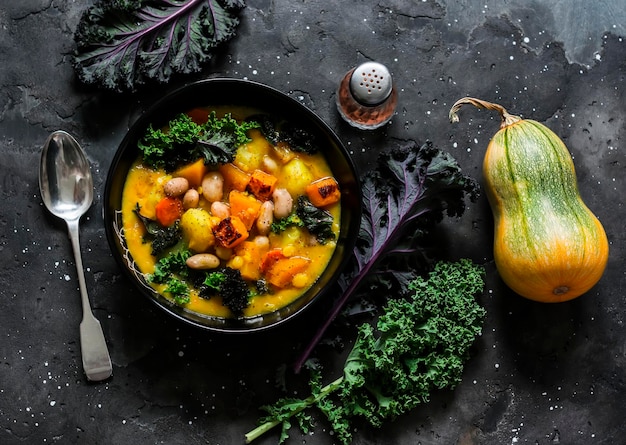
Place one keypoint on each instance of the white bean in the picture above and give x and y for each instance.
(262, 241)
(283, 203)
(220, 209)
(266, 218)
(203, 261)
(191, 199)
(176, 186)
(269, 164)
(213, 186)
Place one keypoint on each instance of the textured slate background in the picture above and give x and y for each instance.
(540, 374)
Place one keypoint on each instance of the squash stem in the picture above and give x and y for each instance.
(507, 118)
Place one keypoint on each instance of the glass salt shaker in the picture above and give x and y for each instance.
(366, 97)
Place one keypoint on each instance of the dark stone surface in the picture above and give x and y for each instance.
(540, 374)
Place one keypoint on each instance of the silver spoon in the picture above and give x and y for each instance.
(67, 191)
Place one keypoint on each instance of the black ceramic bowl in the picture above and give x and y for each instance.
(237, 93)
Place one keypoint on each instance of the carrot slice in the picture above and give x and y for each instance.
(168, 210)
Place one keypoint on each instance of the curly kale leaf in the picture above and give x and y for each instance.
(169, 270)
(184, 141)
(291, 220)
(228, 284)
(122, 44)
(174, 263)
(285, 132)
(318, 222)
(419, 344)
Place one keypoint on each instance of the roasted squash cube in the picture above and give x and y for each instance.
(261, 185)
(230, 232)
(323, 192)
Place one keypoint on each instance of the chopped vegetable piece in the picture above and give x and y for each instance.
(173, 263)
(162, 238)
(168, 210)
(234, 291)
(296, 177)
(283, 270)
(270, 258)
(323, 192)
(234, 177)
(244, 206)
(230, 232)
(169, 270)
(262, 185)
(178, 290)
(193, 172)
(252, 253)
(197, 227)
(290, 221)
(317, 221)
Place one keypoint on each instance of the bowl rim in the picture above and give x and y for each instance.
(112, 216)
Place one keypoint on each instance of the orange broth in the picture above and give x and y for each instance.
(144, 186)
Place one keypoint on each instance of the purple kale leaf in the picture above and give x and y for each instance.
(411, 191)
(121, 44)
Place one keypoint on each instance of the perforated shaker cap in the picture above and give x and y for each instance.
(371, 83)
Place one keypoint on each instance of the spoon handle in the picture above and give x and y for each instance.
(96, 359)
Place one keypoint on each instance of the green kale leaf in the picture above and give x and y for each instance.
(318, 222)
(174, 263)
(185, 141)
(121, 44)
(169, 270)
(230, 285)
(295, 136)
(292, 220)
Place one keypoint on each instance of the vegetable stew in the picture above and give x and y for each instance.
(196, 225)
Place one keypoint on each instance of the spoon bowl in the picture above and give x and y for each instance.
(66, 187)
(65, 177)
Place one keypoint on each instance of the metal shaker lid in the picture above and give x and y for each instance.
(371, 83)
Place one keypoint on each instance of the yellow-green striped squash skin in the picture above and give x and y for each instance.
(548, 245)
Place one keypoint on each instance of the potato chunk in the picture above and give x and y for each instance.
(296, 177)
(197, 229)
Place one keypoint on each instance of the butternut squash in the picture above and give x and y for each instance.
(548, 245)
